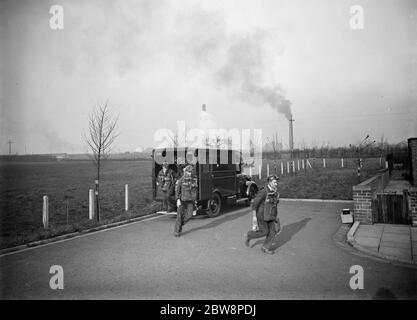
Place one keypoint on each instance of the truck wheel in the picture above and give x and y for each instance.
(251, 195)
(214, 205)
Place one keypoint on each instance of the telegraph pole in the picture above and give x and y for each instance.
(10, 146)
(291, 136)
(363, 145)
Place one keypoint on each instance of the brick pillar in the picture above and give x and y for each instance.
(412, 150)
(362, 204)
(412, 205)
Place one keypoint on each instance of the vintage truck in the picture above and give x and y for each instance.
(219, 175)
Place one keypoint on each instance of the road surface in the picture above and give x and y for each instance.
(209, 261)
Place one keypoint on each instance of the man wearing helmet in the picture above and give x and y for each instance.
(165, 182)
(186, 195)
(265, 206)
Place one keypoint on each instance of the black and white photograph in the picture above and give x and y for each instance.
(222, 152)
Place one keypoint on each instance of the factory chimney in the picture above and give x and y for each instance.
(291, 137)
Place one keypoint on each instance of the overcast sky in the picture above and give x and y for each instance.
(251, 62)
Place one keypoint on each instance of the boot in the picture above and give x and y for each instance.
(268, 251)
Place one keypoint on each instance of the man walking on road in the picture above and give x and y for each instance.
(165, 182)
(265, 206)
(186, 195)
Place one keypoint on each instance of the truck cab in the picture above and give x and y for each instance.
(218, 172)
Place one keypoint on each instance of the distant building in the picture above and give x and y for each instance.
(61, 157)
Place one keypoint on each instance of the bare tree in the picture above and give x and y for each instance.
(304, 147)
(382, 146)
(177, 139)
(229, 142)
(275, 146)
(174, 139)
(360, 148)
(101, 136)
(219, 142)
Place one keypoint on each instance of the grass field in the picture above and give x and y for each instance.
(67, 183)
(331, 182)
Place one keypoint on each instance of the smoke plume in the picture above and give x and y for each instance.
(274, 96)
(244, 67)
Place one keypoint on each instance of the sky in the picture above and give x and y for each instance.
(253, 63)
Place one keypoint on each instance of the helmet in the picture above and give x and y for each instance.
(272, 177)
(188, 168)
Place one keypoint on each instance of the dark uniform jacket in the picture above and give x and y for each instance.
(266, 204)
(166, 180)
(186, 188)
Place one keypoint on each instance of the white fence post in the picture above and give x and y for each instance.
(45, 213)
(386, 164)
(342, 164)
(288, 167)
(298, 164)
(126, 197)
(260, 171)
(282, 168)
(91, 204)
(293, 166)
(324, 163)
(309, 164)
(267, 169)
(302, 162)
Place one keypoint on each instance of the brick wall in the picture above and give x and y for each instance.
(362, 205)
(412, 204)
(412, 146)
(363, 195)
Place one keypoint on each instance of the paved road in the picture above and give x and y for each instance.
(209, 261)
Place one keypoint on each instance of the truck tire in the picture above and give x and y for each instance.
(214, 205)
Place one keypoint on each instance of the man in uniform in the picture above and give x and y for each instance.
(265, 206)
(166, 183)
(186, 195)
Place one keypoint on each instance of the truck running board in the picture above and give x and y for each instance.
(167, 213)
(173, 213)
